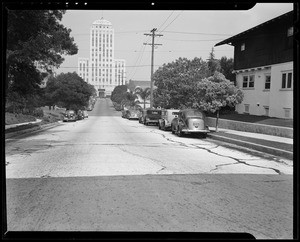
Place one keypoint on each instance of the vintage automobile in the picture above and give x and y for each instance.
(190, 121)
(152, 116)
(167, 116)
(69, 115)
(85, 114)
(132, 114)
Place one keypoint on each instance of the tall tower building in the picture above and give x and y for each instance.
(101, 69)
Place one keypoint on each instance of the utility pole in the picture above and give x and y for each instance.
(152, 63)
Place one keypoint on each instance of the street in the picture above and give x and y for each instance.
(106, 173)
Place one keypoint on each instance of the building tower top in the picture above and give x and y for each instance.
(102, 22)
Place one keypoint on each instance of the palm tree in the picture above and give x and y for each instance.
(129, 99)
(143, 93)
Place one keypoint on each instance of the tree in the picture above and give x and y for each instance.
(129, 99)
(213, 64)
(143, 93)
(226, 68)
(36, 42)
(117, 94)
(216, 92)
(176, 82)
(70, 90)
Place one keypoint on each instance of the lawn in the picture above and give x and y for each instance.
(257, 119)
(50, 116)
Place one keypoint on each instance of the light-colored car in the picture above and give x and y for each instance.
(69, 115)
(190, 121)
(133, 114)
(167, 116)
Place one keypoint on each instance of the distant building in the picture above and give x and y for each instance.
(132, 84)
(101, 69)
(263, 63)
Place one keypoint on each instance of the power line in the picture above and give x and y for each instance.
(172, 21)
(166, 20)
(196, 33)
(196, 40)
(105, 67)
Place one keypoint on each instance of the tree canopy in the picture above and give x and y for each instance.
(118, 93)
(176, 81)
(36, 42)
(69, 90)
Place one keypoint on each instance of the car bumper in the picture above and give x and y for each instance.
(194, 131)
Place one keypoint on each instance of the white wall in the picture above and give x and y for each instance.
(275, 98)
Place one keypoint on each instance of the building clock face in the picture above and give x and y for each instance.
(102, 69)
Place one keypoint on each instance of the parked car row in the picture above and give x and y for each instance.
(180, 122)
(71, 115)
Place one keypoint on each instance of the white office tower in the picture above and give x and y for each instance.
(101, 69)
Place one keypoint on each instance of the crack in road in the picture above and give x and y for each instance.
(144, 157)
(238, 161)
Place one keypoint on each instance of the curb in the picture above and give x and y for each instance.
(257, 147)
(31, 130)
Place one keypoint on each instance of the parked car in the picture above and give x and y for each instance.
(152, 116)
(167, 116)
(190, 121)
(69, 115)
(80, 115)
(85, 114)
(133, 114)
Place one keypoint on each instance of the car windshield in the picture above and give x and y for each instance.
(155, 112)
(70, 112)
(193, 113)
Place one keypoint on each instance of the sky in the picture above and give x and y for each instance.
(185, 33)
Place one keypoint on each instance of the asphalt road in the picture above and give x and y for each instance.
(106, 173)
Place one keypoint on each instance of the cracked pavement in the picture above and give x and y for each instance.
(106, 173)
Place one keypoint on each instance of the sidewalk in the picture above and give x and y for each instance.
(270, 144)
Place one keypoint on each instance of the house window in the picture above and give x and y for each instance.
(243, 46)
(251, 81)
(287, 80)
(268, 81)
(248, 81)
(247, 106)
